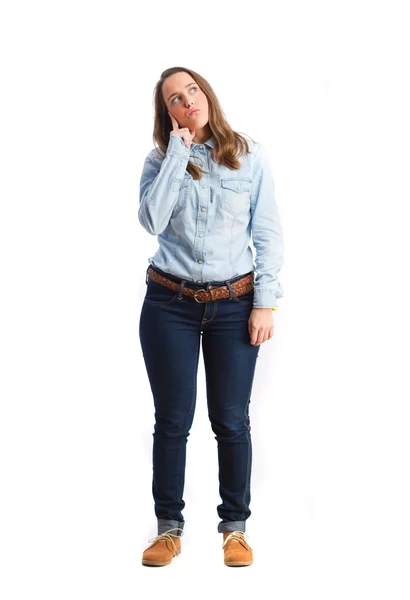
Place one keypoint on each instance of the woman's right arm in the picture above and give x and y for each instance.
(160, 183)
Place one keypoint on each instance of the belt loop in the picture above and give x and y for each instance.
(146, 275)
(231, 294)
(181, 287)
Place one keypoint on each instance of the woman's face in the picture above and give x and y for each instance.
(182, 94)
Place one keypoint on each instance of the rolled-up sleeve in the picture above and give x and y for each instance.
(160, 183)
(267, 233)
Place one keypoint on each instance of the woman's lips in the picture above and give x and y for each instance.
(194, 112)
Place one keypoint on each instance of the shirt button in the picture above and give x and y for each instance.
(203, 209)
(200, 235)
(200, 261)
(199, 281)
(201, 146)
(204, 187)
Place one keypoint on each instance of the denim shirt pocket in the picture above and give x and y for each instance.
(236, 194)
(181, 183)
(183, 186)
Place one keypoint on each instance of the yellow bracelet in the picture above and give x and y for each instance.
(274, 309)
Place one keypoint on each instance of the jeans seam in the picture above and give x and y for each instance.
(247, 486)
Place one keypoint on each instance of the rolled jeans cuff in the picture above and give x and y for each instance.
(164, 525)
(231, 526)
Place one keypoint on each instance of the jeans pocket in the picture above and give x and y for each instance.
(159, 294)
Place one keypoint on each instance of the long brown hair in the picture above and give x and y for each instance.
(229, 144)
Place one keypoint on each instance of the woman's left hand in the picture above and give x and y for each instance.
(260, 325)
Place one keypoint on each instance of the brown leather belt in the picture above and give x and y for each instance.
(240, 287)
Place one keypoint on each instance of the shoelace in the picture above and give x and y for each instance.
(165, 536)
(236, 535)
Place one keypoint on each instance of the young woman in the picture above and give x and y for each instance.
(204, 191)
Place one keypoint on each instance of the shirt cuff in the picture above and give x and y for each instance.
(176, 147)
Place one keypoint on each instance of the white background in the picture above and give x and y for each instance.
(325, 86)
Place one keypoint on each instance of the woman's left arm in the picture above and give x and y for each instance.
(267, 237)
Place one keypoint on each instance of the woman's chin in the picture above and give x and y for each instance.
(198, 117)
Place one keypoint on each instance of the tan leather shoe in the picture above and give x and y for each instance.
(163, 548)
(237, 552)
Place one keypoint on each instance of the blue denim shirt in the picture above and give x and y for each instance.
(204, 226)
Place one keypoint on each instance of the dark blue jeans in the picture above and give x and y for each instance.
(171, 329)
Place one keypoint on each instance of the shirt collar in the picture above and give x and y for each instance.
(210, 142)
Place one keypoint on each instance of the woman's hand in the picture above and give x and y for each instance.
(182, 132)
(260, 325)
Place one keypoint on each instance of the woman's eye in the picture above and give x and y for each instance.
(176, 97)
